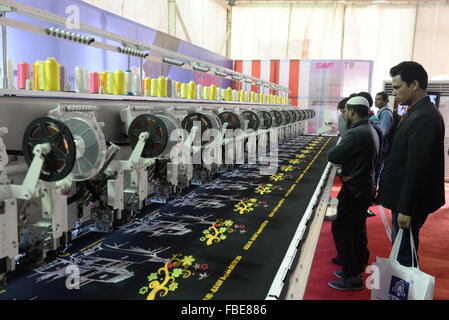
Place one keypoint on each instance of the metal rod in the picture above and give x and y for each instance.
(141, 77)
(5, 56)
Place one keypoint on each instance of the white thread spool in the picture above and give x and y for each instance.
(136, 85)
(169, 87)
(79, 79)
(86, 81)
(128, 82)
(199, 92)
(173, 89)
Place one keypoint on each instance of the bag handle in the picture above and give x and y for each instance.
(414, 254)
(397, 244)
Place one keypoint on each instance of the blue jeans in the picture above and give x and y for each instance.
(405, 252)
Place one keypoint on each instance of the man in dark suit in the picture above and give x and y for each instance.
(412, 181)
(357, 155)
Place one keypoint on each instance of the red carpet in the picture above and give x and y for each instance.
(433, 253)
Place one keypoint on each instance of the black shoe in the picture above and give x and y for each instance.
(339, 274)
(370, 213)
(354, 283)
(336, 261)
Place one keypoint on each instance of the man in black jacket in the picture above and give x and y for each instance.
(412, 181)
(357, 155)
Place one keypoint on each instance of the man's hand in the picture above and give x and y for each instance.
(404, 221)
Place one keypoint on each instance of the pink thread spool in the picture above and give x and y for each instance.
(23, 74)
(94, 82)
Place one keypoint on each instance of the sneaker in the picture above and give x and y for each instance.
(354, 283)
(339, 274)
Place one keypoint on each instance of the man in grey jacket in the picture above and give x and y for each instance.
(357, 155)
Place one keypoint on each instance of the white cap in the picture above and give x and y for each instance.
(360, 101)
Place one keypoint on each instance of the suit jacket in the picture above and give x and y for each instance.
(357, 152)
(412, 181)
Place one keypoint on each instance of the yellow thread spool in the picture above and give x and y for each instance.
(191, 90)
(242, 96)
(163, 82)
(178, 88)
(110, 87)
(146, 85)
(36, 74)
(253, 97)
(104, 78)
(213, 92)
(153, 89)
(275, 99)
(184, 90)
(206, 93)
(119, 82)
(261, 98)
(51, 75)
(228, 94)
(158, 87)
(285, 100)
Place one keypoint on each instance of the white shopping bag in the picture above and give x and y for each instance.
(397, 282)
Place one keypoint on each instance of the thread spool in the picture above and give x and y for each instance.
(178, 88)
(67, 87)
(128, 83)
(147, 85)
(94, 84)
(136, 85)
(36, 75)
(86, 81)
(173, 92)
(159, 87)
(163, 86)
(110, 83)
(191, 90)
(28, 85)
(10, 75)
(228, 94)
(23, 71)
(206, 93)
(62, 73)
(101, 89)
(41, 76)
(275, 99)
(79, 79)
(104, 80)
(261, 98)
(213, 92)
(51, 75)
(119, 82)
(253, 97)
(199, 92)
(184, 89)
(153, 89)
(242, 96)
